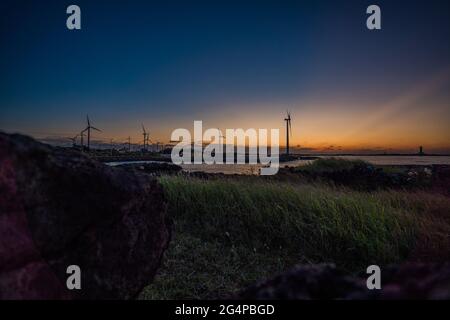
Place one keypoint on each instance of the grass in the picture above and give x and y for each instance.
(229, 233)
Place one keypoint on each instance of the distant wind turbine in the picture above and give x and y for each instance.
(222, 138)
(146, 137)
(288, 130)
(129, 144)
(158, 144)
(82, 135)
(74, 140)
(88, 129)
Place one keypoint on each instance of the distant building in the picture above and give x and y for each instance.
(421, 153)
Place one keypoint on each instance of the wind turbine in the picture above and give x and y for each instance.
(129, 144)
(146, 137)
(288, 130)
(222, 138)
(150, 141)
(74, 140)
(82, 135)
(158, 144)
(88, 129)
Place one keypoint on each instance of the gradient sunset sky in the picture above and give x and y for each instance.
(232, 64)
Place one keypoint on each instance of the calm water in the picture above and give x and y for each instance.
(395, 160)
(378, 160)
(254, 169)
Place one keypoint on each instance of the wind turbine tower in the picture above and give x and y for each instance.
(82, 135)
(288, 130)
(129, 144)
(88, 129)
(74, 141)
(146, 137)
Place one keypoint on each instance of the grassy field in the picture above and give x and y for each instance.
(231, 232)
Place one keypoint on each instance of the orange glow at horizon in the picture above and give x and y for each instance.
(405, 122)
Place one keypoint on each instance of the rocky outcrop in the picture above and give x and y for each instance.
(307, 282)
(312, 282)
(59, 208)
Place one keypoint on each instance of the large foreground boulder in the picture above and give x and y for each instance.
(326, 282)
(60, 208)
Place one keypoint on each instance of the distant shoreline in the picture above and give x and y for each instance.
(143, 157)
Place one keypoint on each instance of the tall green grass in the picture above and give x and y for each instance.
(349, 228)
(231, 232)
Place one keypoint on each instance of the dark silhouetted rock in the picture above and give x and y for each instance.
(311, 282)
(306, 283)
(59, 208)
(441, 179)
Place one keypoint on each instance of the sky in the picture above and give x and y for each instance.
(231, 64)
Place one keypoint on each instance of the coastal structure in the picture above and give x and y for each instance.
(421, 153)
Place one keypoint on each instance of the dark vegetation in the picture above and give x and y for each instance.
(363, 176)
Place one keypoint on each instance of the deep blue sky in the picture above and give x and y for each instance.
(230, 63)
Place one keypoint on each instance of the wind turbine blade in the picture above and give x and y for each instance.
(96, 129)
(87, 118)
(290, 127)
(143, 128)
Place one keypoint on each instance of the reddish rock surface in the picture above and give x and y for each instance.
(59, 208)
